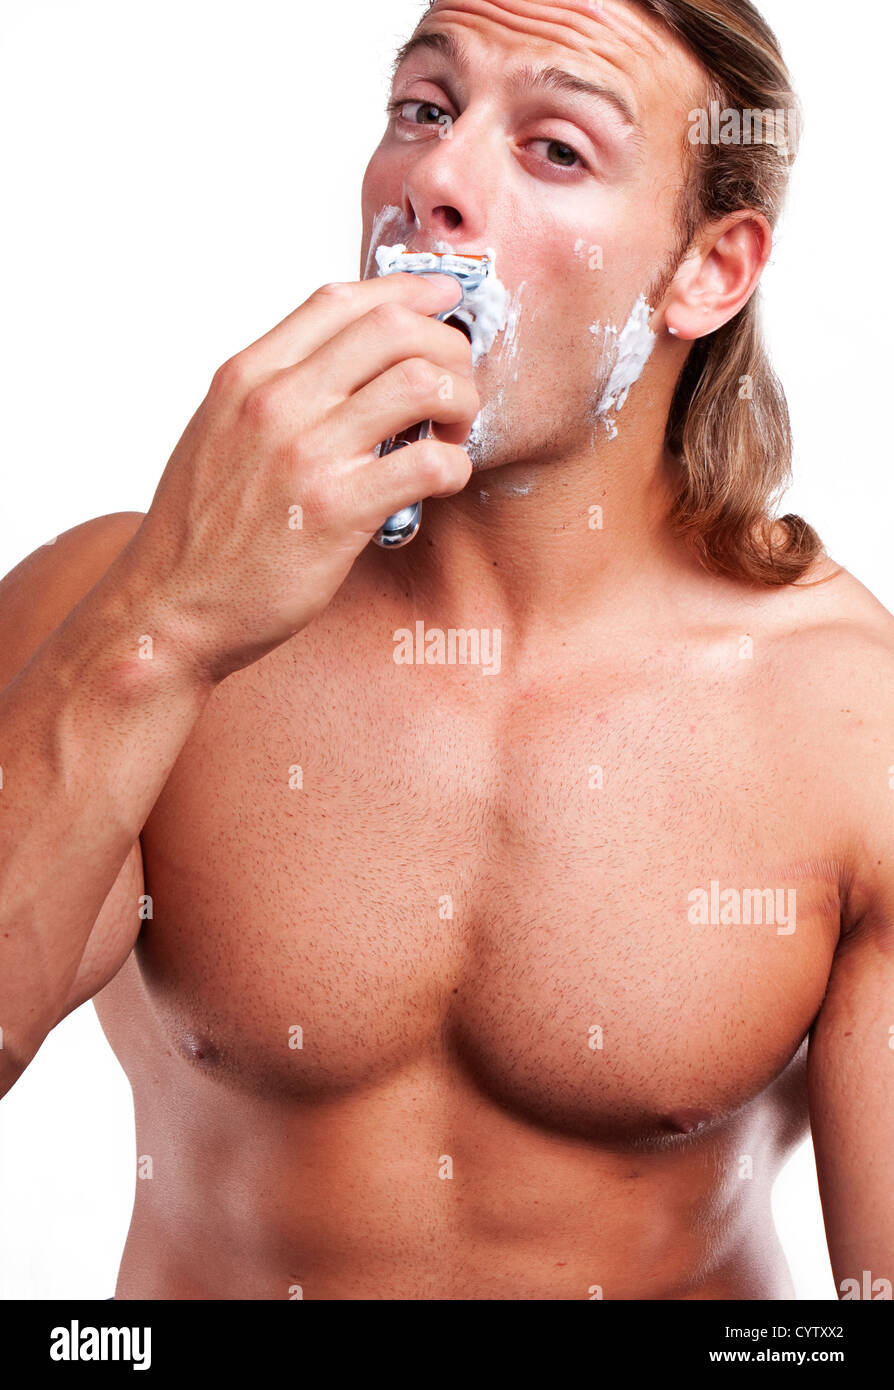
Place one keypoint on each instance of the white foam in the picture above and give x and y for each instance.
(385, 215)
(510, 344)
(484, 433)
(632, 348)
(484, 309)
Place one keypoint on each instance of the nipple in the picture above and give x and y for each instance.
(197, 1047)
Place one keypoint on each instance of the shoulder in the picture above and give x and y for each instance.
(834, 632)
(40, 592)
(833, 667)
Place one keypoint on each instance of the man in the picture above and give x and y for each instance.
(516, 981)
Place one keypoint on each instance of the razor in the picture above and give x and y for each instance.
(470, 272)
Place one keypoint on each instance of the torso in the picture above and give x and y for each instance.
(567, 1088)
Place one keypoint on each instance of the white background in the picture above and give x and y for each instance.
(180, 175)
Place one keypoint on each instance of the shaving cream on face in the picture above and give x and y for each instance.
(484, 309)
(632, 348)
(482, 440)
(384, 217)
(509, 346)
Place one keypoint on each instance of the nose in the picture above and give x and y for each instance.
(449, 184)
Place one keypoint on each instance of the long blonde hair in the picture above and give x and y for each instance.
(728, 429)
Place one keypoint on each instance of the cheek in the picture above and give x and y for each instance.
(571, 272)
(599, 249)
(384, 172)
(369, 189)
(560, 309)
(381, 185)
(383, 218)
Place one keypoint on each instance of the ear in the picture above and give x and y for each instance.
(719, 275)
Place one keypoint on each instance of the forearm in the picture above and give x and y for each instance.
(89, 732)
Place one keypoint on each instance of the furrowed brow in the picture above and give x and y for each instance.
(447, 45)
(557, 80)
(525, 79)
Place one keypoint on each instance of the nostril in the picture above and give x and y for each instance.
(451, 216)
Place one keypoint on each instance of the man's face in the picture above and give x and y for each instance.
(576, 198)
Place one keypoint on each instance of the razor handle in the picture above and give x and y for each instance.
(468, 271)
(400, 528)
(403, 526)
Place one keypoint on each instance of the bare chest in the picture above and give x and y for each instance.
(597, 901)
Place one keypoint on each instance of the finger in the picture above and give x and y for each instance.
(430, 468)
(413, 390)
(388, 334)
(333, 307)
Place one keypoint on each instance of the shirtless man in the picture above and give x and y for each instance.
(422, 977)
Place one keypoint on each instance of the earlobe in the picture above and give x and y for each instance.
(687, 332)
(721, 277)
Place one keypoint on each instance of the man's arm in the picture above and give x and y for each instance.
(89, 731)
(270, 495)
(851, 1053)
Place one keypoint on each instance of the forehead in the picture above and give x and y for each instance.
(613, 41)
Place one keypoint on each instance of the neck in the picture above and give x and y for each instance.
(525, 547)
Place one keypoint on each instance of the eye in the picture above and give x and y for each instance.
(422, 113)
(427, 113)
(566, 156)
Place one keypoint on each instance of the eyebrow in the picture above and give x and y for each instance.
(523, 79)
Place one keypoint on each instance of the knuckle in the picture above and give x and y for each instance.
(231, 375)
(337, 292)
(417, 376)
(261, 405)
(432, 464)
(391, 319)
